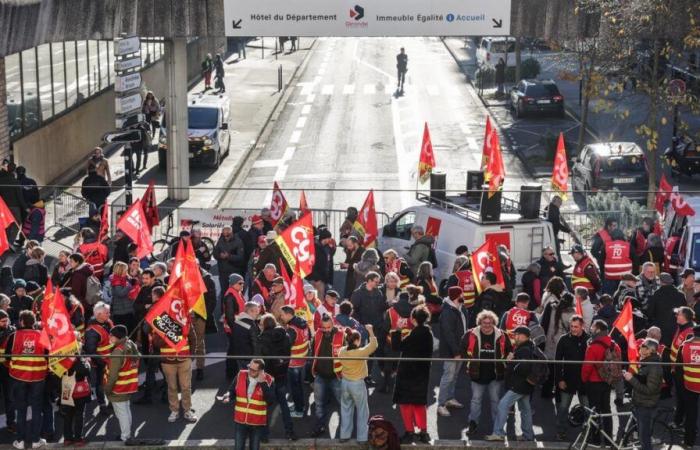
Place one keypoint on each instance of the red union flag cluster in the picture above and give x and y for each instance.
(668, 193)
(57, 333)
(185, 268)
(560, 171)
(625, 325)
(366, 222)
(170, 317)
(492, 160)
(278, 205)
(135, 225)
(485, 259)
(297, 245)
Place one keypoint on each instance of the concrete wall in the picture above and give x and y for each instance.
(4, 129)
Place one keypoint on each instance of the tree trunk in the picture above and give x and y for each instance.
(652, 150)
(517, 59)
(584, 116)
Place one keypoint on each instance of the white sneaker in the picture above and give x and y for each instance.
(173, 417)
(40, 443)
(452, 403)
(18, 444)
(443, 411)
(189, 417)
(495, 438)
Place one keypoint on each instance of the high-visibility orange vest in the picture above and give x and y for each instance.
(399, 323)
(465, 280)
(170, 353)
(691, 366)
(128, 377)
(578, 276)
(35, 366)
(104, 347)
(678, 339)
(604, 235)
(617, 259)
(338, 336)
(300, 347)
(265, 292)
(516, 317)
(253, 410)
(239, 301)
(95, 254)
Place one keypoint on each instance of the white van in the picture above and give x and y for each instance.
(688, 227)
(456, 224)
(491, 49)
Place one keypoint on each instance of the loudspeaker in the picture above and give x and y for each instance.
(475, 178)
(438, 185)
(530, 197)
(490, 207)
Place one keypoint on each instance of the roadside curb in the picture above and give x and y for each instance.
(284, 95)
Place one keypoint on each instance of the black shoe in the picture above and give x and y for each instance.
(424, 437)
(145, 400)
(200, 374)
(344, 440)
(291, 436)
(369, 382)
(472, 428)
(318, 432)
(408, 438)
(561, 436)
(104, 410)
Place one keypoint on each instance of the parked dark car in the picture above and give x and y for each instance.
(683, 156)
(603, 166)
(536, 96)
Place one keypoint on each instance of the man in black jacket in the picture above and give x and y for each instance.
(95, 188)
(492, 296)
(550, 266)
(368, 308)
(662, 305)
(454, 320)
(554, 217)
(11, 193)
(229, 253)
(244, 336)
(567, 377)
(520, 387)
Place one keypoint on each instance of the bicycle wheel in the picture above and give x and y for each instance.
(664, 436)
(581, 441)
(161, 250)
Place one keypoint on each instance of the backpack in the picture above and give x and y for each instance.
(93, 291)
(610, 370)
(382, 434)
(540, 371)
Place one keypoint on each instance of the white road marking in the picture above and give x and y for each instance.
(317, 79)
(265, 163)
(301, 121)
(327, 89)
(306, 109)
(322, 71)
(288, 154)
(472, 143)
(369, 89)
(349, 89)
(307, 89)
(310, 98)
(294, 138)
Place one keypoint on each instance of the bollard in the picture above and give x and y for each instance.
(279, 79)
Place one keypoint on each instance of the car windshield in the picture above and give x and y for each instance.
(202, 118)
(627, 163)
(542, 90)
(695, 252)
(500, 47)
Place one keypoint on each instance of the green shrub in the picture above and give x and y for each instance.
(530, 68)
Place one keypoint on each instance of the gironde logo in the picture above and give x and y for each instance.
(357, 13)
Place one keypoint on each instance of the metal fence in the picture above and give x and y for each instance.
(587, 223)
(68, 209)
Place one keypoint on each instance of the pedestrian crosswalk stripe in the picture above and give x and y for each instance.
(349, 89)
(327, 89)
(432, 89)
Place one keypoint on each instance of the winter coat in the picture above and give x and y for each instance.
(452, 328)
(275, 342)
(20, 265)
(607, 314)
(319, 272)
(368, 263)
(413, 377)
(419, 252)
(244, 337)
(549, 269)
(235, 261)
(494, 299)
(622, 292)
(271, 255)
(36, 271)
(115, 363)
(247, 240)
(209, 301)
(352, 323)
(18, 304)
(120, 288)
(595, 354)
(368, 306)
(78, 281)
(532, 286)
(144, 300)
(553, 331)
(517, 372)
(660, 310)
(328, 255)
(95, 189)
(350, 260)
(11, 193)
(645, 289)
(570, 348)
(646, 385)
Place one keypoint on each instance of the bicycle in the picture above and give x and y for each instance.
(162, 247)
(628, 437)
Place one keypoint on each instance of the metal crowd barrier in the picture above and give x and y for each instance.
(68, 208)
(587, 223)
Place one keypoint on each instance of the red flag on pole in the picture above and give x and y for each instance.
(679, 204)
(662, 194)
(560, 171)
(150, 206)
(485, 259)
(278, 204)
(495, 171)
(186, 271)
(486, 149)
(366, 222)
(303, 205)
(6, 216)
(104, 223)
(57, 333)
(625, 325)
(170, 317)
(4, 242)
(297, 245)
(134, 224)
(426, 163)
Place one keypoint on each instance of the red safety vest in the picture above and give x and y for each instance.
(35, 366)
(617, 259)
(95, 254)
(265, 292)
(27, 225)
(104, 347)
(640, 243)
(338, 336)
(128, 377)
(678, 339)
(300, 347)
(465, 280)
(253, 410)
(669, 251)
(516, 317)
(170, 353)
(399, 323)
(604, 235)
(578, 277)
(691, 366)
(239, 301)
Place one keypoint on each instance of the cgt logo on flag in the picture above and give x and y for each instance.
(301, 241)
(170, 322)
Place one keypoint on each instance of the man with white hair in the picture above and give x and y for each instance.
(97, 343)
(420, 249)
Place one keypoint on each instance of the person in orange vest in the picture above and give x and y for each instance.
(298, 330)
(6, 330)
(392, 263)
(177, 370)
(689, 372)
(97, 342)
(232, 305)
(518, 316)
(94, 252)
(328, 307)
(263, 282)
(328, 341)
(600, 239)
(617, 261)
(28, 374)
(684, 319)
(462, 277)
(121, 378)
(638, 241)
(254, 393)
(585, 273)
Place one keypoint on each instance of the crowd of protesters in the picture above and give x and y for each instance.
(389, 305)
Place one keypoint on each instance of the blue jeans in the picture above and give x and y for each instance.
(295, 375)
(508, 400)
(98, 373)
(354, 396)
(448, 381)
(494, 388)
(281, 399)
(28, 395)
(563, 406)
(645, 424)
(250, 433)
(323, 388)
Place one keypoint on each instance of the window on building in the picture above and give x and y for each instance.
(31, 112)
(58, 68)
(43, 53)
(14, 94)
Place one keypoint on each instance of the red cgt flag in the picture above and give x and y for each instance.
(426, 163)
(485, 259)
(366, 222)
(679, 204)
(560, 171)
(625, 325)
(186, 271)
(495, 171)
(486, 149)
(278, 204)
(297, 245)
(6, 216)
(57, 333)
(662, 194)
(170, 317)
(104, 223)
(303, 205)
(134, 224)
(150, 206)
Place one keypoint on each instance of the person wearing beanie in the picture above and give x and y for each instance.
(454, 318)
(122, 368)
(276, 301)
(19, 301)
